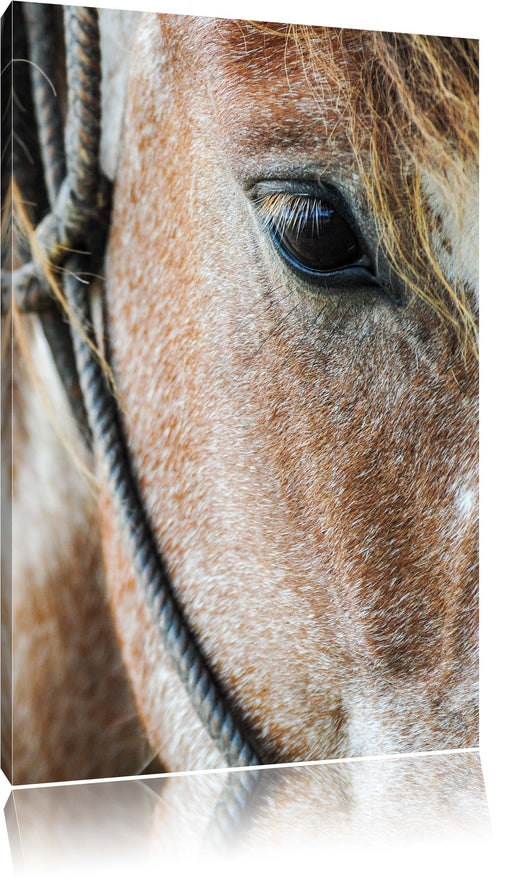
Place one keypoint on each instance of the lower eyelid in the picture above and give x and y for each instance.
(351, 274)
(356, 277)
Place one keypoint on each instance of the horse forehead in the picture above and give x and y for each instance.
(267, 85)
(262, 54)
(257, 60)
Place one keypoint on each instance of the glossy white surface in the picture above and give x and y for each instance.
(347, 813)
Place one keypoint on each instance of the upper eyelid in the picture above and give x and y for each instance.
(265, 190)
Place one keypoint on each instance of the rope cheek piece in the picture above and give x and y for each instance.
(76, 228)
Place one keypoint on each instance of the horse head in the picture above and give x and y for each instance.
(288, 313)
(289, 304)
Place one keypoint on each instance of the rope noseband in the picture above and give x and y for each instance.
(70, 239)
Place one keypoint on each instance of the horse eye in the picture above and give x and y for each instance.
(311, 234)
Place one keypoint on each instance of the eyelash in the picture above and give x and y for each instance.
(279, 209)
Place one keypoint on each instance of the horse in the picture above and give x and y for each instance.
(288, 307)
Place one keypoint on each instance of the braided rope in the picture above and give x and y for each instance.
(30, 285)
(40, 26)
(235, 808)
(78, 198)
(79, 194)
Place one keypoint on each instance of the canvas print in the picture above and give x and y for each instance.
(240, 393)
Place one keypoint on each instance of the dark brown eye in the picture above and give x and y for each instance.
(315, 233)
(315, 236)
(312, 235)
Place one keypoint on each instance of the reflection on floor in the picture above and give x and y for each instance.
(339, 806)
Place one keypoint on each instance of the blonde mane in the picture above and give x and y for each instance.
(414, 130)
